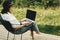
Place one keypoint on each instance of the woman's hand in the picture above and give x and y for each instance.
(26, 23)
(23, 25)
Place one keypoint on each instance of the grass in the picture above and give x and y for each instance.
(48, 20)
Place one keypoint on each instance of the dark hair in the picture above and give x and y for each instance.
(6, 5)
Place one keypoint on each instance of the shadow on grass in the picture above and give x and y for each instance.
(0, 19)
(49, 29)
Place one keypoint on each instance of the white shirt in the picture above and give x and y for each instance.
(9, 17)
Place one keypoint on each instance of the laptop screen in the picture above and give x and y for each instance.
(31, 15)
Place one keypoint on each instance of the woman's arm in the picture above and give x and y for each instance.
(23, 25)
(19, 27)
(23, 20)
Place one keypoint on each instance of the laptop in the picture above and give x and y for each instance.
(31, 15)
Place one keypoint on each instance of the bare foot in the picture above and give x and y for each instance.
(38, 33)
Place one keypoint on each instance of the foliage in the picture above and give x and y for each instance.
(50, 29)
(28, 3)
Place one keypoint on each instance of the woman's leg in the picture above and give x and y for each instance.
(35, 28)
(24, 29)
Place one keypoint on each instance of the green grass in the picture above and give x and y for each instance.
(48, 20)
(45, 17)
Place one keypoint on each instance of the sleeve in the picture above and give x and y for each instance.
(9, 17)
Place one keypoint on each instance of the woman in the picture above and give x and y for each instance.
(7, 16)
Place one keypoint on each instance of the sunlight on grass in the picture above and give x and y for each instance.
(45, 17)
(49, 16)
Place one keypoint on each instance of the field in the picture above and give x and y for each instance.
(48, 20)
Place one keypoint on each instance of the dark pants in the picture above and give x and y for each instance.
(32, 27)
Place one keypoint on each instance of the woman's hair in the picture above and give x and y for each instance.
(6, 5)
